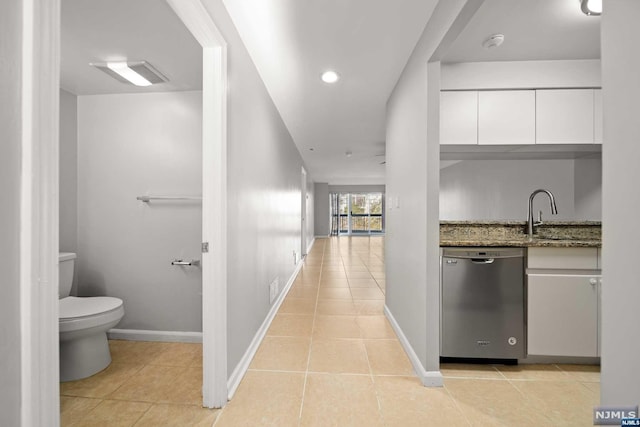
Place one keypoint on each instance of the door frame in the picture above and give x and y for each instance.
(303, 214)
(214, 198)
(40, 99)
(39, 204)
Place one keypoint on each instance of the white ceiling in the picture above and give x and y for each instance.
(533, 30)
(292, 42)
(367, 41)
(117, 30)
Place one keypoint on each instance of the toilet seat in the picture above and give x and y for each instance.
(76, 313)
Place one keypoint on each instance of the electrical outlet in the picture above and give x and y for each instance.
(295, 258)
(273, 290)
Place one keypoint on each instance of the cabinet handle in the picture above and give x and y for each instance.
(593, 281)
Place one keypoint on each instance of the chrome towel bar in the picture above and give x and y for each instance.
(192, 263)
(147, 199)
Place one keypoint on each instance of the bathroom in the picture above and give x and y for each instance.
(117, 143)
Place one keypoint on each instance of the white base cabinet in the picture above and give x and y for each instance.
(563, 302)
(563, 315)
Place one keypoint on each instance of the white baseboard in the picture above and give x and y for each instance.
(323, 236)
(428, 378)
(241, 368)
(144, 335)
(310, 245)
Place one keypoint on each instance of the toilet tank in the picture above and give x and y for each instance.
(66, 261)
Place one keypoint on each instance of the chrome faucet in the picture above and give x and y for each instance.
(554, 210)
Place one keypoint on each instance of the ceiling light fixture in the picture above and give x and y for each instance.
(330, 76)
(591, 7)
(139, 73)
(493, 41)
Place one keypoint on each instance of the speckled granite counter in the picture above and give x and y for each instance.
(512, 233)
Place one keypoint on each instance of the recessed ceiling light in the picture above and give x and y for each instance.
(139, 73)
(330, 76)
(493, 41)
(591, 7)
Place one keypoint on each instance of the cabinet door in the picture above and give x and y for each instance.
(597, 116)
(562, 317)
(459, 117)
(506, 117)
(564, 116)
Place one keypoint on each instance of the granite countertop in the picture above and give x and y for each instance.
(559, 234)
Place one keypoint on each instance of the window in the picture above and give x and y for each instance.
(360, 213)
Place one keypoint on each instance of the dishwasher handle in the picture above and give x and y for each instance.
(482, 260)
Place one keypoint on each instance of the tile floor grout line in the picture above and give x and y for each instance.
(142, 415)
(518, 389)
(313, 325)
(500, 372)
(457, 405)
(373, 382)
(371, 376)
(474, 378)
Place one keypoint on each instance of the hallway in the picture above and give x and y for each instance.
(330, 358)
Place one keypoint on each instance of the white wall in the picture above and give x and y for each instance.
(588, 189)
(500, 189)
(311, 213)
(412, 170)
(264, 185)
(322, 209)
(10, 122)
(620, 382)
(357, 188)
(131, 145)
(521, 74)
(68, 216)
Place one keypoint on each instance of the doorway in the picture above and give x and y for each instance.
(39, 314)
(214, 198)
(303, 215)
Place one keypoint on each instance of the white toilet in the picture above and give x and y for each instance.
(84, 323)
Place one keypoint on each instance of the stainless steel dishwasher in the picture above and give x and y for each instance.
(482, 303)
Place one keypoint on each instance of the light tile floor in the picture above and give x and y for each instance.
(147, 384)
(330, 358)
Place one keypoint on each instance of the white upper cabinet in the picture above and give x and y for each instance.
(506, 117)
(521, 117)
(459, 117)
(565, 116)
(597, 116)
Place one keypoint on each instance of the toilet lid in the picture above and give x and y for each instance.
(74, 307)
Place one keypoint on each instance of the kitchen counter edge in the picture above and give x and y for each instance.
(523, 243)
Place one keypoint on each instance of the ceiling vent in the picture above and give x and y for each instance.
(139, 73)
